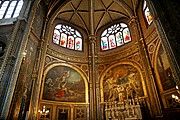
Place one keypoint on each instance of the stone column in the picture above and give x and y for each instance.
(148, 76)
(92, 78)
(38, 74)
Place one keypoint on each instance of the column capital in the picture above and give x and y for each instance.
(133, 20)
(92, 38)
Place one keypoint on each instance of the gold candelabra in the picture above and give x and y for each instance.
(43, 111)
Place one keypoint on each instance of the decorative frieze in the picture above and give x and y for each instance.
(119, 55)
(66, 57)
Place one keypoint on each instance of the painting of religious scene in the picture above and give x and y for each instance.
(167, 79)
(122, 82)
(64, 84)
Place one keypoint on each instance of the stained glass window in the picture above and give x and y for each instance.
(115, 36)
(67, 37)
(147, 13)
(10, 8)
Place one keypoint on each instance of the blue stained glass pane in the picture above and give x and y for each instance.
(78, 44)
(148, 16)
(56, 37)
(115, 35)
(69, 37)
(119, 39)
(147, 13)
(104, 43)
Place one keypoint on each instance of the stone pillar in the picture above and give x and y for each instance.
(6, 74)
(148, 75)
(37, 80)
(18, 97)
(92, 78)
(15, 71)
(38, 76)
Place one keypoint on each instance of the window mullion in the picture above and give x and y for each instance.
(14, 9)
(7, 9)
(1, 4)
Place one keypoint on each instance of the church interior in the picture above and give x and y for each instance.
(89, 60)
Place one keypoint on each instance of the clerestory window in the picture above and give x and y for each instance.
(10, 8)
(115, 36)
(66, 36)
(147, 13)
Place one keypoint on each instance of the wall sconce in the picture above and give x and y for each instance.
(43, 111)
(175, 97)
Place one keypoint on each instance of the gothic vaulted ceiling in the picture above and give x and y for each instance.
(101, 12)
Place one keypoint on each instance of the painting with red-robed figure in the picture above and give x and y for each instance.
(64, 84)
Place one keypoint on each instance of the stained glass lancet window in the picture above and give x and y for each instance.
(67, 37)
(10, 8)
(115, 36)
(147, 13)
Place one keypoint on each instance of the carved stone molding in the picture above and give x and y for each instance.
(119, 55)
(11, 60)
(92, 39)
(62, 56)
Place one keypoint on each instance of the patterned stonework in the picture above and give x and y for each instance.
(66, 57)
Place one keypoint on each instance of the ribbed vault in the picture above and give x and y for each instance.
(77, 12)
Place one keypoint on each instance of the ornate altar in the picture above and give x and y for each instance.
(122, 92)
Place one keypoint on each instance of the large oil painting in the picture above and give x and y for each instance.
(64, 84)
(165, 73)
(122, 82)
